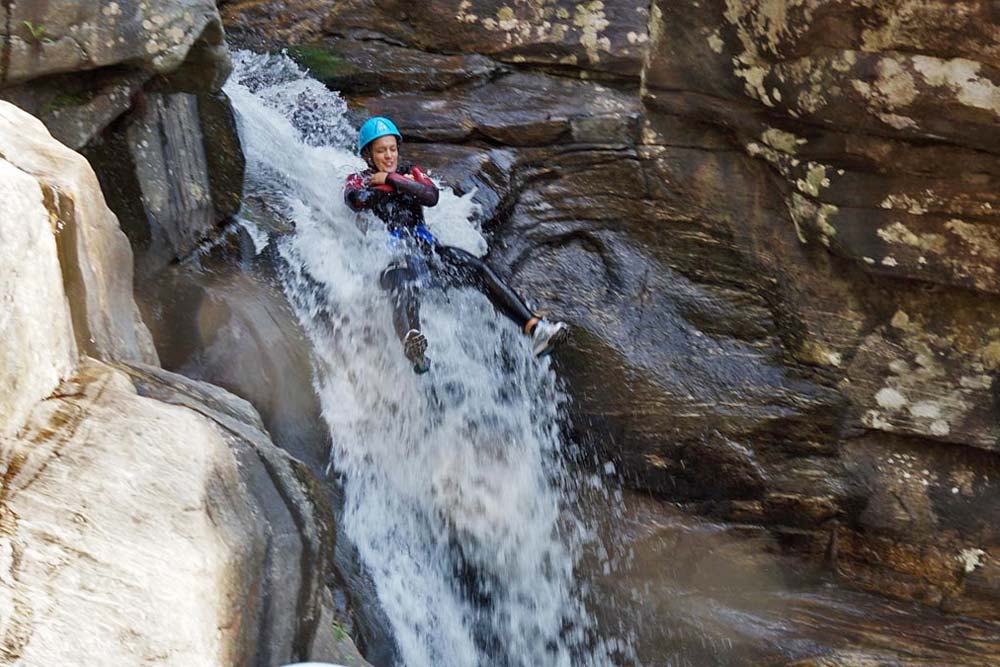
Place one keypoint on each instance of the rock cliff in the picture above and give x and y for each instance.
(771, 222)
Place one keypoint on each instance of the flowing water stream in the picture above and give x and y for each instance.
(457, 494)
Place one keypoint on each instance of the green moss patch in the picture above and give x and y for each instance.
(320, 62)
(66, 101)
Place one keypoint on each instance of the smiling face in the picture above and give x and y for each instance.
(385, 153)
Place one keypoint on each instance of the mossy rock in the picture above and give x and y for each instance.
(67, 101)
(322, 62)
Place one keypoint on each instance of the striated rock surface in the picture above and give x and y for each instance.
(273, 24)
(172, 170)
(137, 84)
(153, 540)
(876, 153)
(772, 223)
(143, 516)
(604, 37)
(168, 150)
(51, 38)
(123, 43)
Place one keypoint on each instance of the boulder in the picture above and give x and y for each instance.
(78, 106)
(150, 71)
(104, 317)
(57, 37)
(295, 615)
(172, 170)
(111, 49)
(145, 515)
(199, 541)
(37, 329)
(152, 541)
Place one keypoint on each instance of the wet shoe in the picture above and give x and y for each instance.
(546, 335)
(415, 349)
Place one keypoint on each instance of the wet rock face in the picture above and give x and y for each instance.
(880, 164)
(775, 233)
(727, 594)
(875, 134)
(226, 322)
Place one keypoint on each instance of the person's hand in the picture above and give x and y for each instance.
(378, 178)
(409, 176)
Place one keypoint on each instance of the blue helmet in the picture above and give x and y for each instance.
(375, 127)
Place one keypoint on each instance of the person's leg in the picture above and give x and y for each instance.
(400, 280)
(466, 268)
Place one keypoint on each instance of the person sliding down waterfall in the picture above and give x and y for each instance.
(397, 195)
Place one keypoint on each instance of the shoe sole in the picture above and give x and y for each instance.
(415, 347)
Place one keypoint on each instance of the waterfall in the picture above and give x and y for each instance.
(457, 495)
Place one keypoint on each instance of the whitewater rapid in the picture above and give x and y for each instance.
(457, 495)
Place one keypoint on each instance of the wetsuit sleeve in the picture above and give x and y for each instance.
(420, 187)
(356, 194)
(360, 194)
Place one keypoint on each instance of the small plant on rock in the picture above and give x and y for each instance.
(36, 32)
(339, 633)
(65, 101)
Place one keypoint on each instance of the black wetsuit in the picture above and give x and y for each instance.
(399, 204)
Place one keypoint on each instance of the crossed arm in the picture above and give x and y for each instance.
(362, 193)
